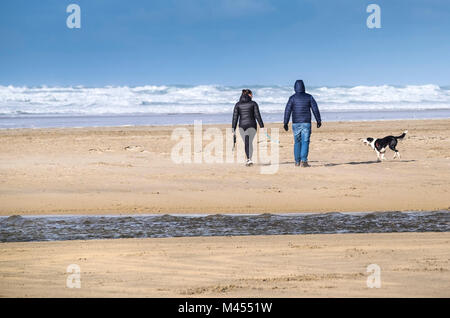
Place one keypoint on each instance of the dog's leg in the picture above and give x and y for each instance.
(398, 154)
(392, 147)
(378, 156)
(382, 156)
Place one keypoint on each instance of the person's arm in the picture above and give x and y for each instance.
(316, 112)
(287, 113)
(258, 114)
(235, 118)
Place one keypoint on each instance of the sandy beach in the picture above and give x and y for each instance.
(117, 153)
(129, 170)
(412, 265)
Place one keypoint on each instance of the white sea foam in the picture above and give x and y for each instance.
(210, 99)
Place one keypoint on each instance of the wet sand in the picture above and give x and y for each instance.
(128, 170)
(412, 265)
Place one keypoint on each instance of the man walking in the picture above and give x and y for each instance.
(300, 105)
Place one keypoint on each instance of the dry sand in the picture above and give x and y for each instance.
(129, 170)
(412, 265)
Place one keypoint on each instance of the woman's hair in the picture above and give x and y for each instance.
(247, 92)
(245, 95)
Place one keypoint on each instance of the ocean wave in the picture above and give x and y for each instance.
(210, 99)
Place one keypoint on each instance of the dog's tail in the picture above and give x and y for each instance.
(402, 135)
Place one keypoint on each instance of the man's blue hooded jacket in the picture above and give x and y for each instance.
(300, 105)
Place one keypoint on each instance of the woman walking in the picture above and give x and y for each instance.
(246, 111)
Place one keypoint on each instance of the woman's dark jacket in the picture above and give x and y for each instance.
(247, 113)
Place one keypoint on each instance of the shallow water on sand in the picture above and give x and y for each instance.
(54, 228)
(47, 121)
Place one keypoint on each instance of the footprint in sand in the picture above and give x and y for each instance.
(134, 148)
(99, 150)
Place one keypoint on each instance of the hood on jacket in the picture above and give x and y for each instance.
(299, 86)
(245, 98)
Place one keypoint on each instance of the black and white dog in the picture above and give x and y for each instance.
(381, 144)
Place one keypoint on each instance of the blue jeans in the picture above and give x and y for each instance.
(302, 132)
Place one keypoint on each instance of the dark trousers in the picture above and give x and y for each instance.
(247, 135)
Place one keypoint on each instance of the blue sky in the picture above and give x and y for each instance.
(224, 42)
